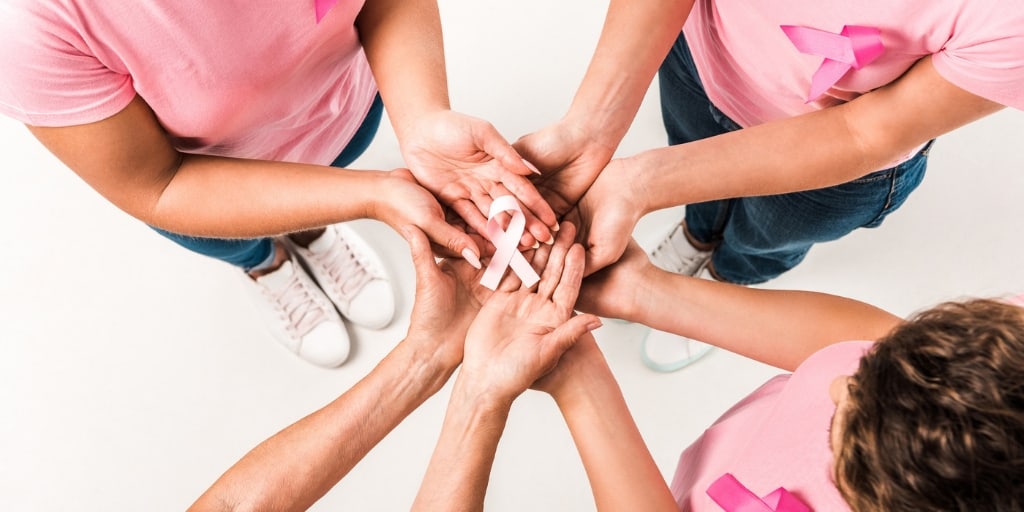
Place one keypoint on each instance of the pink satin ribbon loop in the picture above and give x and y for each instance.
(506, 244)
(852, 48)
(732, 496)
(322, 6)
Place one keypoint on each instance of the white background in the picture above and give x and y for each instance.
(133, 373)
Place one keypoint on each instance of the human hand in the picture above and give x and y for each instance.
(617, 291)
(449, 293)
(570, 159)
(403, 202)
(518, 336)
(466, 163)
(606, 216)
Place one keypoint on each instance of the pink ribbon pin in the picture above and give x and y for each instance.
(854, 47)
(506, 243)
(732, 496)
(322, 6)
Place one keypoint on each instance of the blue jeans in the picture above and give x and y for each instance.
(248, 253)
(759, 238)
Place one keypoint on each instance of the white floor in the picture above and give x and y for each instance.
(133, 373)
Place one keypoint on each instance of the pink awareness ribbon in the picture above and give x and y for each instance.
(732, 496)
(506, 244)
(853, 48)
(322, 6)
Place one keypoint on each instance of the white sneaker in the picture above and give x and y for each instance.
(676, 254)
(300, 316)
(351, 275)
(666, 352)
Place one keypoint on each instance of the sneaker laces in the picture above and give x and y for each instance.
(668, 257)
(347, 271)
(302, 311)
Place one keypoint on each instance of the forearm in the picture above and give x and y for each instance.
(635, 39)
(801, 153)
(620, 468)
(810, 151)
(235, 198)
(780, 328)
(298, 465)
(460, 467)
(405, 48)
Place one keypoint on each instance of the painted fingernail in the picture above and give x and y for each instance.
(550, 241)
(531, 166)
(556, 228)
(535, 245)
(472, 258)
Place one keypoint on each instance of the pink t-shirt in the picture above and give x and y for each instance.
(754, 74)
(776, 437)
(258, 79)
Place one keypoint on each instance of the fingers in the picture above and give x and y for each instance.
(471, 213)
(422, 255)
(565, 335)
(553, 270)
(572, 274)
(453, 239)
(495, 145)
(539, 209)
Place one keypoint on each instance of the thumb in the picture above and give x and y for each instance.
(565, 336)
(454, 239)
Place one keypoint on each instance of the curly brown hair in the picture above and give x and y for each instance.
(935, 415)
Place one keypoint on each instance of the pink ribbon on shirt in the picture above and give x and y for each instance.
(506, 244)
(853, 48)
(322, 6)
(732, 496)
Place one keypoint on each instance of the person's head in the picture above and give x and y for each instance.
(933, 419)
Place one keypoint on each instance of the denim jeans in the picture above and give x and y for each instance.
(759, 238)
(249, 253)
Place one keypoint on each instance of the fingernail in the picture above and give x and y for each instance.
(531, 166)
(472, 258)
(550, 241)
(556, 228)
(593, 326)
(535, 245)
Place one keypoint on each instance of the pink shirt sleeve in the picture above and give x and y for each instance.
(49, 76)
(985, 56)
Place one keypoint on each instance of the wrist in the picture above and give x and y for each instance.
(634, 175)
(434, 360)
(587, 132)
(405, 122)
(476, 391)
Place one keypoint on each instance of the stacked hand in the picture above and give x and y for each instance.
(466, 163)
(511, 336)
(518, 336)
(569, 161)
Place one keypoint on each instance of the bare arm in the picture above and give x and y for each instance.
(517, 337)
(622, 473)
(636, 36)
(815, 150)
(295, 467)
(780, 328)
(298, 465)
(129, 160)
(448, 152)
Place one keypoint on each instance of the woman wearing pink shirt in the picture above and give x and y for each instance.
(775, 147)
(216, 123)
